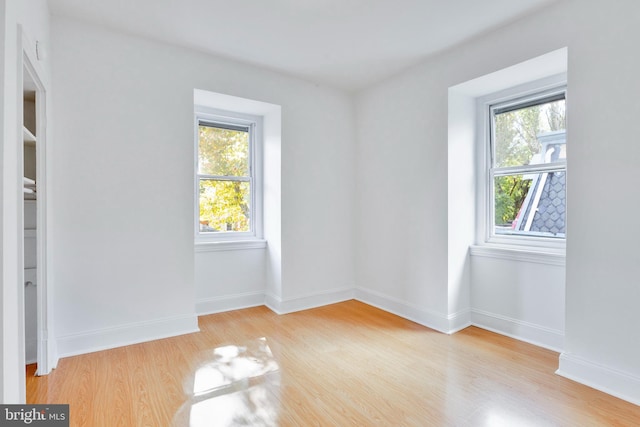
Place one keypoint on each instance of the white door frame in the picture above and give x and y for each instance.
(29, 63)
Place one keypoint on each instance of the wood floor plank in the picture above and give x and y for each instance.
(339, 365)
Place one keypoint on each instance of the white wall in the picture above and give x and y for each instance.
(603, 260)
(318, 175)
(9, 320)
(402, 187)
(228, 280)
(461, 208)
(124, 261)
(123, 258)
(401, 193)
(519, 298)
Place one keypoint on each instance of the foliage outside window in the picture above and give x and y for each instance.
(225, 181)
(528, 166)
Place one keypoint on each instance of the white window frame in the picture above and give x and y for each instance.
(211, 241)
(521, 94)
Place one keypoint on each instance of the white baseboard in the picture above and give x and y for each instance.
(603, 378)
(458, 321)
(427, 318)
(541, 336)
(133, 333)
(229, 302)
(305, 302)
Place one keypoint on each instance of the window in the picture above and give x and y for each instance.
(526, 168)
(228, 192)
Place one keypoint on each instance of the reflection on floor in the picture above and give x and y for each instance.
(232, 385)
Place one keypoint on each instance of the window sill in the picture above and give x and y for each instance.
(522, 253)
(230, 245)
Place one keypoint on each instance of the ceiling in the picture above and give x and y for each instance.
(348, 44)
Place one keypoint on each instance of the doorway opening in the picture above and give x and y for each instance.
(34, 225)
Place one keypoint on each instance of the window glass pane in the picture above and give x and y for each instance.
(224, 206)
(223, 152)
(531, 135)
(531, 204)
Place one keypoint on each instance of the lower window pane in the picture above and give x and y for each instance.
(224, 206)
(531, 204)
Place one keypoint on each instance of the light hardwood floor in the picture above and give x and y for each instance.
(346, 364)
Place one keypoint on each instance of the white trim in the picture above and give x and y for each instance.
(531, 333)
(229, 302)
(231, 245)
(611, 381)
(311, 300)
(132, 333)
(528, 243)
(427, 318)
(459, 321)
(518, 253)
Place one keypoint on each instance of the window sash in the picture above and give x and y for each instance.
(223, 125)
(249, 129)
(492, 171)
(532, 198)
(251, 214)
(237, 124)
(518, 103)
(528, 101)
(225, 178)
(536, 168)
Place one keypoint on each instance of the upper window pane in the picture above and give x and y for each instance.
(223, 151)
(530, 134)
